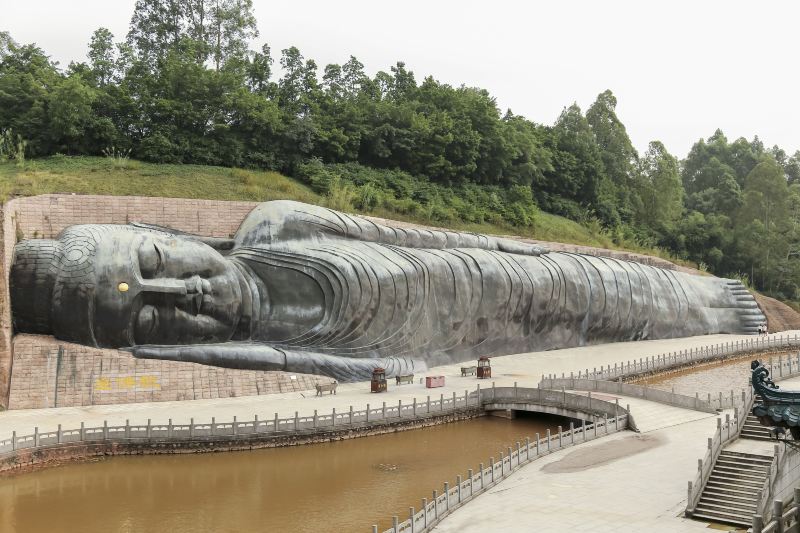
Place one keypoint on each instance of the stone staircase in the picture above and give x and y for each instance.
(753, 429)
(731, 494)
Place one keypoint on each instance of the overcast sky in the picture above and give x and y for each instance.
(679, 69)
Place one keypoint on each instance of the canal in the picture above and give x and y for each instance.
(340, 486)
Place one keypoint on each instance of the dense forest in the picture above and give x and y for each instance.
(185, 86)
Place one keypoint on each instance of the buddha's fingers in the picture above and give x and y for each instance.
(520, 248)
(238, 356)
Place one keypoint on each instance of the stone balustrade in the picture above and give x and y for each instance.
(667, 361)
(452, 497)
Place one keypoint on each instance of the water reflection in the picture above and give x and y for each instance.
(341, 486)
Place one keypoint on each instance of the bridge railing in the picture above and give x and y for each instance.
(214, 429)
(707, 404)
(656, 363)
(452, 497)
(237, 429)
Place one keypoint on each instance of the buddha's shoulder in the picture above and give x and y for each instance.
(282, 220)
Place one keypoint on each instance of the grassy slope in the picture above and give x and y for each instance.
(97, 175)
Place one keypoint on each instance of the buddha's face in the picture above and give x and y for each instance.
(161, 289)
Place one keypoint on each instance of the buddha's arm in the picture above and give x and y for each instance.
(286, 220)
(255, 356)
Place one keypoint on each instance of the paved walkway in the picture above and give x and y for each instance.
(526, 369)
(626, 482)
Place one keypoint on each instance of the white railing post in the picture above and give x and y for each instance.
(777, 515)
(758, 523)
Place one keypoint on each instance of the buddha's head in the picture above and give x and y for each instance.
(116, 286)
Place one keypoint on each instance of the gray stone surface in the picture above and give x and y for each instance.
(307, 289)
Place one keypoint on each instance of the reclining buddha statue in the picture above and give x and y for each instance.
(302, 288)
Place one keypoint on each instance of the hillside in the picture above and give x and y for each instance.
(126, 177)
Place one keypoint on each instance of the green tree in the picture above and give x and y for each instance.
(70, 113)
(661, 189)
(617, 153)
(102, 60)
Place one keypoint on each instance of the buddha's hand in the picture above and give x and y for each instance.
(520, 248)
(244, 356)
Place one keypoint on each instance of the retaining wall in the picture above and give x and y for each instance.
(39, 371)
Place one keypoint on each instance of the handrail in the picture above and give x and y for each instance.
(624, 370)
(765, 494)
(214, 430)
(708, 405)
(266, 428)
(443, 504)
(785, 516)
(726, 431)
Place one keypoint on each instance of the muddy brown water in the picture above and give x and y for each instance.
(338, 486)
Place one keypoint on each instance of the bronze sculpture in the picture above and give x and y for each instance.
(307, 289)
(776, 408)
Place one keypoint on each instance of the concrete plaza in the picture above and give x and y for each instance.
(625, 482)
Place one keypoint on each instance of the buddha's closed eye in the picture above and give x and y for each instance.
(151, 259)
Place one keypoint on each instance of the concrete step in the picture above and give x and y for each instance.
(731, 488)
(755, 435)
(739, 474)
(713, 516)
(730, 462)
(749, 505)
(725, 507)
(730, 496)
(744, 455)
(736, 481)
(751, 458)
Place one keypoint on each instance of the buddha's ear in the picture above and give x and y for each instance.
(220, 244)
